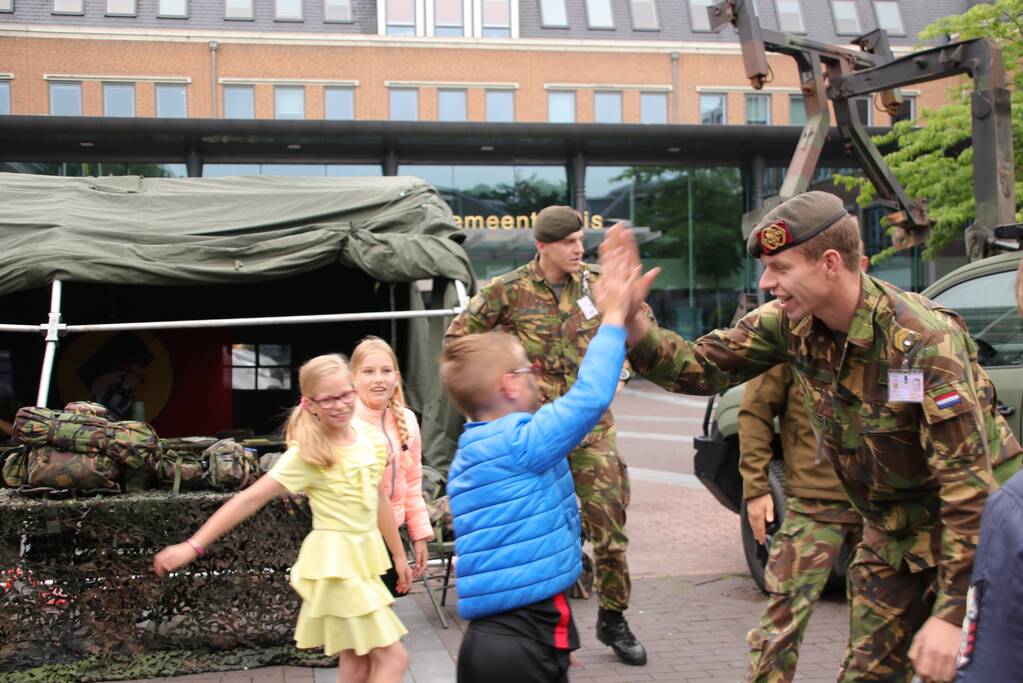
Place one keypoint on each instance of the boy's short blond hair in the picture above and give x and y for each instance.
(471, 367)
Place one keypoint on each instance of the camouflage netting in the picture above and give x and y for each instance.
(79, 600)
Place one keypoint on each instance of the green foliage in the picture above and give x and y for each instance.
(935, 162)
(525, 195)
(661, 204)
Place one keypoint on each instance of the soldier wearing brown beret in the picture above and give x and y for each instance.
(890, 381)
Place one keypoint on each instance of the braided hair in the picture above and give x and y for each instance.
(396, 404)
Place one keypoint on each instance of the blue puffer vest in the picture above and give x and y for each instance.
(512, 495)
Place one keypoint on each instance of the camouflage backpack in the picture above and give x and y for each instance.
(78, 449)
(230, 466)
(180, 463)
(130, 443)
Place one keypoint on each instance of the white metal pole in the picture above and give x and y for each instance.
(53, 327)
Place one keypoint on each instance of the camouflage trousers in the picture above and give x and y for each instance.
(887, 607)
(602, 486)
(802, 554)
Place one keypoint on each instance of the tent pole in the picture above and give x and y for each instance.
(53, 326)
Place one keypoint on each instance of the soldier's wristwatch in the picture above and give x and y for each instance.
(624, 375)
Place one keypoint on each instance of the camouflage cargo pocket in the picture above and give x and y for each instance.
(15, 466)
(229, 465)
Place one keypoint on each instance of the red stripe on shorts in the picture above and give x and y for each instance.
(561, 630)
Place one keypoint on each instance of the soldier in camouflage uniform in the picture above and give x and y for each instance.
(819, 520)
(548, 304)
(890, 384)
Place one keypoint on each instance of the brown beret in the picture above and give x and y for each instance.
(556, 223)
(794, 221)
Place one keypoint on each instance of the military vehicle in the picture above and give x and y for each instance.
(981, 291)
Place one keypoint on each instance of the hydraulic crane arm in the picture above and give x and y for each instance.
(837, 75)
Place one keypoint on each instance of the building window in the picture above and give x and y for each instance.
(644, 15)
(847, 22)
(553, 14)
(598, 14)
(171, 101)
(289, 102)
(653, 107)
(118, 99)
(758, 110)
(5, 97)
(239, 102)
(337, 10)
(496, 18)
(238, 9)
(712, 108)
(698, 14)
(173, 8)
(797, 110)
(6, 5)
(561, 106)
(864, 108)
(907, 112)
(500, 105)
(287, 10)
(447, 18)
(888, 17)
(256, 367)
(68, 6)
(403, 104)
(401, 17)
(451, 105)
(339, 104)
(607, 107)
(66, 99)
(790, 16)
(121, 8)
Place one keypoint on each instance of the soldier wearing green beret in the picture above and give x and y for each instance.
(896, 399)
(548, 304)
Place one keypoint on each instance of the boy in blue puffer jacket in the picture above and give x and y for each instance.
(511, 493)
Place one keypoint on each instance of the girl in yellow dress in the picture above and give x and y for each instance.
(345, 606)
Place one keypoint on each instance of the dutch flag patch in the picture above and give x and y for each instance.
(948, 400)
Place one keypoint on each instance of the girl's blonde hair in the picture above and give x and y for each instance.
(303, 427)
(396, 404)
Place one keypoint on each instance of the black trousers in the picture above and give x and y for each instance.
(489, 656)
(390, 579)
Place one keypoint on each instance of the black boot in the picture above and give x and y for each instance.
(613, 630)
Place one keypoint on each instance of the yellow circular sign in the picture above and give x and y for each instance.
(119, 370)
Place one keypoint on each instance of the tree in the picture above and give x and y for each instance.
(661, 197)
(935, 161)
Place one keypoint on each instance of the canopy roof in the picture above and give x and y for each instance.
(175, 231)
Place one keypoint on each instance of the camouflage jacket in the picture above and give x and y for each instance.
(919, 473)
(554, 334)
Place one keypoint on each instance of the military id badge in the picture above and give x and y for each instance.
(587, 307)
(906, 386)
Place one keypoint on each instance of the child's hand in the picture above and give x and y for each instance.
(619, 259)
(173, 557)
(404, 573)
(422, 556)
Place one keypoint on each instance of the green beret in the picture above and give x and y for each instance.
(556, 223)
(794, 221)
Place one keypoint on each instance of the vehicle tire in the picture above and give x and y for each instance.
(756, 554)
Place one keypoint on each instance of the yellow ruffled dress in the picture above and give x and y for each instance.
(345, 605)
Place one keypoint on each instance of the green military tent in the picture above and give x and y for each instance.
(191, 233)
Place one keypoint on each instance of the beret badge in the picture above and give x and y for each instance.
(775, 236)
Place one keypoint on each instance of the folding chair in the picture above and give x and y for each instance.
(433, 489)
